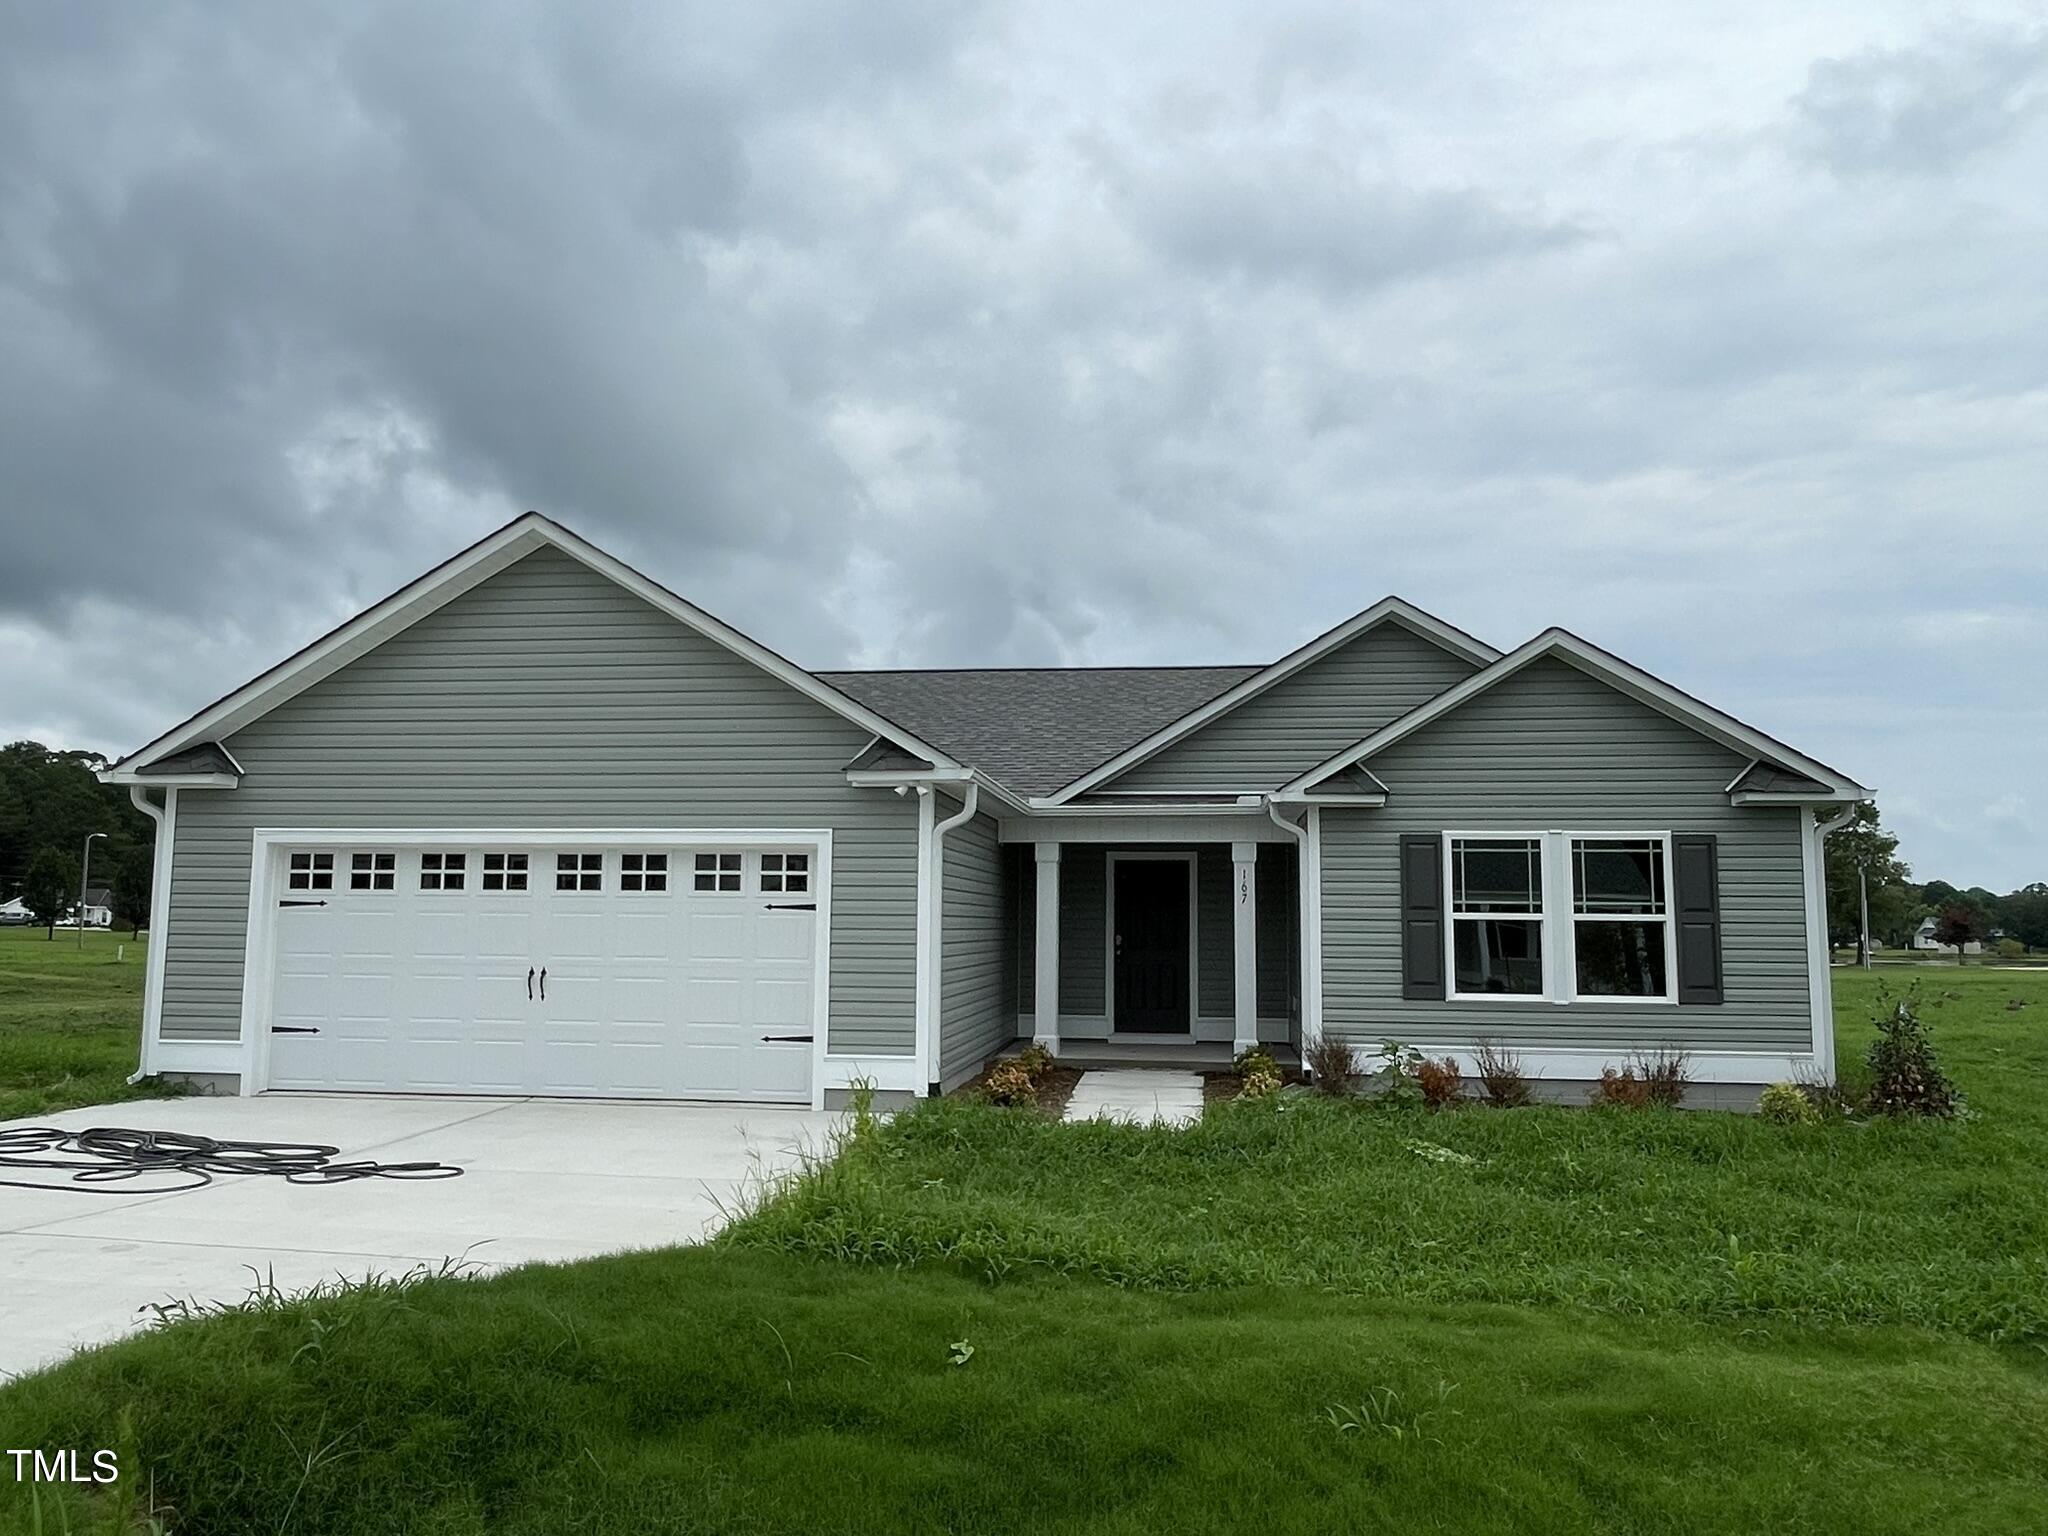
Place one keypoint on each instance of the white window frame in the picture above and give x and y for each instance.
(1559, 917)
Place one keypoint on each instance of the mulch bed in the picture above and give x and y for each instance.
(1219, 1086)
(1055, 1087)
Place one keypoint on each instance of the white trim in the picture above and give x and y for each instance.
(885, 1074)
(1744, 1067)
(1819, 974)
(1118, 856)
(1227, 824)
(1559, 918)
(252, 1046)
(1312, 964)
(1610, 669)
(449, 580)
(168, 780)
(1394, 609)
(1796, 797)
(934, 1040)
(161, 856)
(1740, 774)
(219, 1058)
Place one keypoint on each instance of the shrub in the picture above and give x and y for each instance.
(1621, 1090)
(1905, 1079)
(1036, 1060)
(1258, 1074)
(1010, 1082)
(1440, 1081)
(1500, 1073)
(1665, 1075)
(1333, 1064)
(2010, 949)
(1786, 1104)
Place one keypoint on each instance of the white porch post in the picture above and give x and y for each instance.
(1045, 1023)
(1244, 923)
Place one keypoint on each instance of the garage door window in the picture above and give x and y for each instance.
(579, 871)
(785, 871)
(312, 872)
(443, 871)
(372, 871)
(718, 872)
(504, 871)
(643, 871)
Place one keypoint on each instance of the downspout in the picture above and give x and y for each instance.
(159, 921)
(935, 992)
(1304, 911)
(1820, 948)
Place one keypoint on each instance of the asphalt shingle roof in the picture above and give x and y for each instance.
(1035, 730)
(1773, 779)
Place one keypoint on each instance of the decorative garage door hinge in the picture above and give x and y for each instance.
(293, 1029)
(302, 903)
(791, 906)
(788, 1039)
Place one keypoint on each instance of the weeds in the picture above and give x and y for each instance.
(1905, 1079)
(1332, 1064)
(1440, 1081)
(1500, 1074)
(1383, 1413)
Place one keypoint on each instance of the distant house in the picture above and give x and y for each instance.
(15, 910)
(99, 907)
(1923, 938)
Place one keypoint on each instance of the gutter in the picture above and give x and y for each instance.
(1307, 873)
(159, 911)
(936, 890)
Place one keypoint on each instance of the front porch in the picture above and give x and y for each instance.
(1156, 953)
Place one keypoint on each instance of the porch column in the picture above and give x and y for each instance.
(1045, 1024)
(1244, 927)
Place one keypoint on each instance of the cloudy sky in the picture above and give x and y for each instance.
(925, 333)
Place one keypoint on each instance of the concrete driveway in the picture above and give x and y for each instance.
(543, 1179)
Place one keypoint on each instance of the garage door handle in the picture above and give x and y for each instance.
(543, 983)
(529, 983)
(788, 1039)
(792, 906)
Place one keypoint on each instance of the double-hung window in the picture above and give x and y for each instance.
(1560, 916)
(1497, 916)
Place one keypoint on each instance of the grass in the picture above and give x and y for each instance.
(1317, 1316)
(1713, 1216)
(70, 1020)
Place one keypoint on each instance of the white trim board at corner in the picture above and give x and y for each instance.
(1387, 610)
(446, 582)
(252, 1047)
(1118, 856)
(1604, 667)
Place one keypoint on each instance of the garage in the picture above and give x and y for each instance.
(604, 967)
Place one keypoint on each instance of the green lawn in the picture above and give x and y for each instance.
(1607, 1321)
(70, 1020)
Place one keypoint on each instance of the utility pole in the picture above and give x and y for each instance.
(84, 875)
(1863, 900)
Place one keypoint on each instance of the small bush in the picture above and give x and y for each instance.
(1440, 1081)
(1035, 1059)
(1786, 1104)
(1258, 1074)
(1905, 1079)
(1621, 1090)
(1665, 1075)
(1500, 1074)
(1010, 1082)
(2011, 949)
(1333, 1064)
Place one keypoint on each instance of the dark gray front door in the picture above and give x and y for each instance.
(1151, 943)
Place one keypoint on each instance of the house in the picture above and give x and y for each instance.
(1923, 938)
(536, 824)
(99, 907)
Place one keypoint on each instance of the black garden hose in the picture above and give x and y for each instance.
(102, 1160)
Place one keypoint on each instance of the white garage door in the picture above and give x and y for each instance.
(630, 971)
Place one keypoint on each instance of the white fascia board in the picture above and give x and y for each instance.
(168, 780)
(1852, 796)
(448, 581)
(1623, 676)
(1395, 609)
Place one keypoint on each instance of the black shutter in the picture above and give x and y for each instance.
(1422, 916)
(1697, 905)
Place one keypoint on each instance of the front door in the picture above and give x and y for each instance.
(1149, 943)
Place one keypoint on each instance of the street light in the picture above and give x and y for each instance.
(84, 874)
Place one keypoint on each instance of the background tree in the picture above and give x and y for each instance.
(1894, 914)
(134, 868)
(1958, 925)
(52, 799)
(49, 886)
(1864, 848)
(2024, 915)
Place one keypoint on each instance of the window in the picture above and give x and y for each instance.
(643, 871)
(579, 871)
(1620, 918)
(443, 871)
(504, 871)
(717, 872)
(372, 871)
(785, 871)
(1496, 916)
(312, 872)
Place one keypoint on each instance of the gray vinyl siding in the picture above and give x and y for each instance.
(972, 1021)
(1549, 748)
(1309, 717)
(549, 696)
